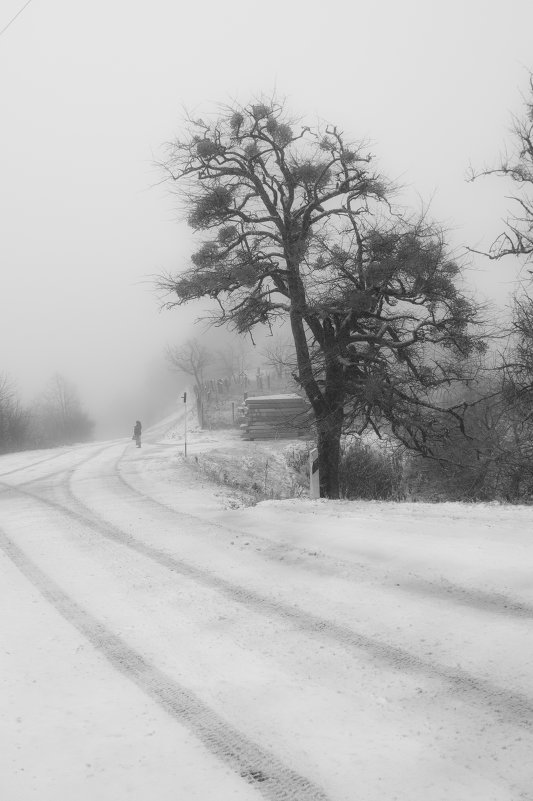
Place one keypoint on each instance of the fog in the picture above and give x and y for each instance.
(91, 92)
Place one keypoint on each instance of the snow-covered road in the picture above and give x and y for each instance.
(159, 644)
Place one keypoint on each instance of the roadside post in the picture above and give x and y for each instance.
(184, 396)
(314, 475)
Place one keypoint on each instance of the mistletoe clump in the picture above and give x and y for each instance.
(211, 209)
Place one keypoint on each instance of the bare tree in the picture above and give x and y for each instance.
(302, 229)
(517, 238)
(515, 449)
(517, 393)
(192, 358)
(14, 419)
(59, 416)
(234, 359)
(281, 356)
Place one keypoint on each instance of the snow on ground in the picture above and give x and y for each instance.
(164, 640)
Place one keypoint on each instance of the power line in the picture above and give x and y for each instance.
(12, 20)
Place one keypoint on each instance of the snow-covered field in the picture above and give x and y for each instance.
(161, 641)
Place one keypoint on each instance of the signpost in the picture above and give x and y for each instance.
(184, 396)
(314, 475)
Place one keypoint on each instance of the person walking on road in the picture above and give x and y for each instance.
(137, 433)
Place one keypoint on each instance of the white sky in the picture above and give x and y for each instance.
(90, 91)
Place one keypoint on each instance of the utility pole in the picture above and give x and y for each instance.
(184, 396)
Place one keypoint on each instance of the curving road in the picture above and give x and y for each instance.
(156, 648)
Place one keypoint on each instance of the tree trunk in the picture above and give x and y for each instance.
(330, 422)
(329, 432)
(326, 402)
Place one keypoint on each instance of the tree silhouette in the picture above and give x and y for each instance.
(60, 418)
(298, 224)
(191, 358)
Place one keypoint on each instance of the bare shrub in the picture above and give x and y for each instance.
(370, 472)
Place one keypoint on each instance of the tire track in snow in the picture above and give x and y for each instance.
(32, 464)
(6, 487)
(497, 603)
(69, 468)
(515, 708)
(275, 780)
(63, 471)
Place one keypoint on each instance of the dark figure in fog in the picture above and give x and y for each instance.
(137, 433)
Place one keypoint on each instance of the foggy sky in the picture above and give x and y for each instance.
(91, 91)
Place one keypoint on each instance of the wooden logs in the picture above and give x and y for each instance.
(275, 417)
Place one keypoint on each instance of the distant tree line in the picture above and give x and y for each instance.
(14, 419)
(55, 418)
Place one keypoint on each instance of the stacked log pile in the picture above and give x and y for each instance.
(275, 417)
